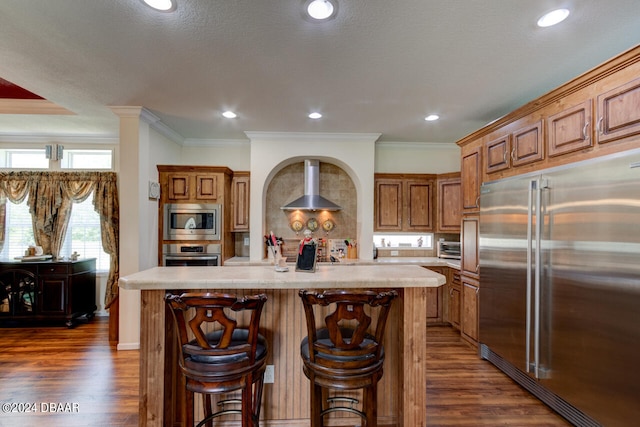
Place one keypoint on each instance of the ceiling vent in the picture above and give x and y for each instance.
(312, 200)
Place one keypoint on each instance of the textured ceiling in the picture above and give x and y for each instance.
(379, 66)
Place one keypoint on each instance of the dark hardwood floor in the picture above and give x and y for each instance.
(77, 370)
(69, 368)
(464, 390)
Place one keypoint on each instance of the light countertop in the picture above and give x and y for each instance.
(382, 275)
(421, 261)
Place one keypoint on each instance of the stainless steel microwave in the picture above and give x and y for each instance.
(192, 221)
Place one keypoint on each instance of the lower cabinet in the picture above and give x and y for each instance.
(469, 312)
(454, 300)
(435, 300)
(57, 291)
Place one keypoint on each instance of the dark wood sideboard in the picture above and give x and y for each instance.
(47, 290)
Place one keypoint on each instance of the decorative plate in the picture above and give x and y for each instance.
(328, 225)
(296, 225)
(312, 224)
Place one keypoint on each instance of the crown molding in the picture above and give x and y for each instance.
(312, 136)
(65, 139)
(418, 145)
(32, 106)
(194, 142)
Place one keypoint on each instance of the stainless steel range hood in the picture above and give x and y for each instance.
(312, 200)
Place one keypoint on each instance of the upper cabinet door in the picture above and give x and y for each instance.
(206, 187)
(619, 112)
(570, 130)
(471, 178)
(419, 206)
(528, 146)
(498, 154)
(178, 184)
(388, 204)
(449, 204)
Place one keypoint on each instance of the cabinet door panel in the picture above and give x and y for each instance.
(470, 262)
(570, 130)
(528, 145)
(240, 202)
(52, 297)
(449, 215)
(498, 154)
(178, 187)
(419, 209)
(619, 112)
(471, 179)
(389, 205)
(469, 323)
(206, 187)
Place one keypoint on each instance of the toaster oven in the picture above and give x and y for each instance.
(450, 250)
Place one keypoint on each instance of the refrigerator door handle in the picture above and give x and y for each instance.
(537, 274)
(532, 186)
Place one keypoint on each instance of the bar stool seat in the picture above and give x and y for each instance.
(344, 353)
(224, 360)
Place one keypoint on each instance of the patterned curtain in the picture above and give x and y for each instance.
(51, 196)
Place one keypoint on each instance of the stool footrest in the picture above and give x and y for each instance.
(333, 408)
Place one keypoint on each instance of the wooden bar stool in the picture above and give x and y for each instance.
(224, 360)
(344, 353)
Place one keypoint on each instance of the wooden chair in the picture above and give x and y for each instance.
(344, 353)
(222, 361)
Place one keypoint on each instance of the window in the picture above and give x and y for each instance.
(83, 233)
(87, 159)
(405, 240)
(19, 230)
(23, 159)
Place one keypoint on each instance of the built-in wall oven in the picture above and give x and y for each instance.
(190, 255)
(192, 221)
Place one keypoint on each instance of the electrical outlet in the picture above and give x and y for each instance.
(246, 241)
(269, 375)
(394, 253)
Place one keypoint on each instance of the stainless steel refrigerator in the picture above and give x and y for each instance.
(560, 286)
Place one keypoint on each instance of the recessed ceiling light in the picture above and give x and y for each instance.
(315, 116)
(320, 9)
(552, 18)
(432, 117)
(161, 5)
(229, 114)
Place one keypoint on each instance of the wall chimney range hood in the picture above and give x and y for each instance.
(312, 200)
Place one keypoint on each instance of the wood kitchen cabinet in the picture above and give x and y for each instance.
(404, 202)
(470, 309)
(619, 113)
(454, 299)
(470, 262)
(185, 187)
(570, 130)
(435, 300)
(522, 146)
(201, 184)
(48, 291)
(471, 176)
(449, 203)
(240, 201)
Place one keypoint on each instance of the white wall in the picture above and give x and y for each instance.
(421, 157)
(236, 155)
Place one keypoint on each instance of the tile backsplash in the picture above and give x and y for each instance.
(288, 184)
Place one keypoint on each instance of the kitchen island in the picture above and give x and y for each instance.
(402, 391)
